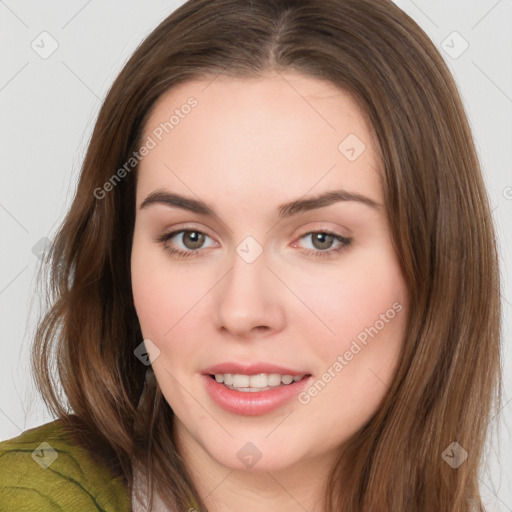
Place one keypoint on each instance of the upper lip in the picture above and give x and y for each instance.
(250, 369)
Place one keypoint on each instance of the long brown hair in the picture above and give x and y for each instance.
(448, 376)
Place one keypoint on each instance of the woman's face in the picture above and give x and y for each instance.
(272, 189)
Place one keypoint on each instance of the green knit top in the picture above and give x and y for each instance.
(43, 470)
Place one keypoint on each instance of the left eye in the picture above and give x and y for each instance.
(193, 240)
(323, 240)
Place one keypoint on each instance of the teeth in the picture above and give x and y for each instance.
(257, 381)
(240, 381)
(261, 381)
(274, 379)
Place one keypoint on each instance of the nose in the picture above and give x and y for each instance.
(249, 300)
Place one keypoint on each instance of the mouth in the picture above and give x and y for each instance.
(255, 388)
(255, 383)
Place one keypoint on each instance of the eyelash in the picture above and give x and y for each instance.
(345, 242)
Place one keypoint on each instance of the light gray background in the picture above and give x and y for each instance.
(48, 108)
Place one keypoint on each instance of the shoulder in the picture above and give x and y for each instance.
(43, 469)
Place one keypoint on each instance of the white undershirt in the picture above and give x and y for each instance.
(138, 506)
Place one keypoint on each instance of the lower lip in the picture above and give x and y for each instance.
(250, 403)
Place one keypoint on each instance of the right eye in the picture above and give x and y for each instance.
(192, 241)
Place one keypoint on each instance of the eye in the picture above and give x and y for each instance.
(192, 240)
(323, 241)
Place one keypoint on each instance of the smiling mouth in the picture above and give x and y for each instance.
(255, 383)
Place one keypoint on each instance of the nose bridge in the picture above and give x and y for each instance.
(247, 297)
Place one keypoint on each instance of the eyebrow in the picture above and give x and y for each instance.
(284, 210)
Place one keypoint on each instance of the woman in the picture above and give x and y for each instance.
(277, 286)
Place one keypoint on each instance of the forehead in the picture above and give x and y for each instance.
(285, 132)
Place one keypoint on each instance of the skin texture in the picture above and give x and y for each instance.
(247, 147)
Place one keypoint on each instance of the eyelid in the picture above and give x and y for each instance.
(187, 227)
(327, 226)
(322, 227)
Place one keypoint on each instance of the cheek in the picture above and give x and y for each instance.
(351, 301)
(151, 298)
(367, 310)
(167, 300)
(161, 293)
